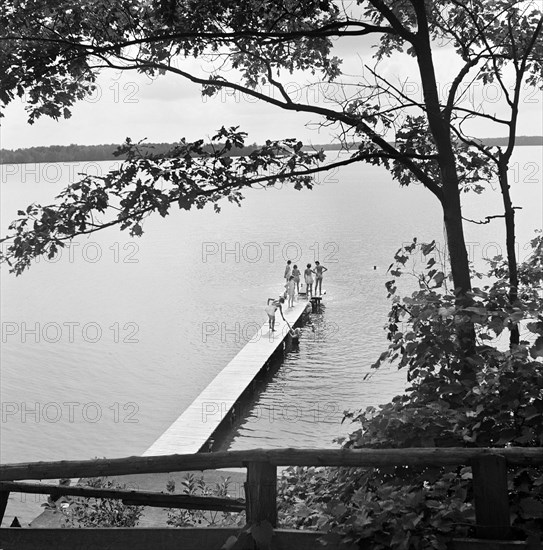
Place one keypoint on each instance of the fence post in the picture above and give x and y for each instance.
(261, 493)
(491, 497)
(4, 496)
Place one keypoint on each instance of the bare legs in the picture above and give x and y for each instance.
(318, 286)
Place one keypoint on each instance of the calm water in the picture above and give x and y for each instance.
(104, 348)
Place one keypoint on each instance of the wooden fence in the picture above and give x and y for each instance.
(489, 468)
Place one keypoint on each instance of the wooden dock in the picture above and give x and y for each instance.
(191, 432)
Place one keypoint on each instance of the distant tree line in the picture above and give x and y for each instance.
(58, 153)
(82, 153)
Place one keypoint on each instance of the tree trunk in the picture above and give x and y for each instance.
(509, 214)
(452, 210)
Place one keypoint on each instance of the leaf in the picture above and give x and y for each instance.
(136, 230)
(427, 248)
(439, 277)
(537, 348)
(302, 510)
(339, 509)
(537, 327)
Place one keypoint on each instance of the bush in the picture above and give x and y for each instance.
(490, 397)
(100, 512)
(192, 485)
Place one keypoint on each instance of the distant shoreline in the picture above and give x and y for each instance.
(88, 153)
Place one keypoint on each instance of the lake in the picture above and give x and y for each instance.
(103, 348)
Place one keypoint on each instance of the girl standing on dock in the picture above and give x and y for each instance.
(288, 271)
(271, 308)
(296, 274)
(319, 272)
(308, 276)
(291, 285)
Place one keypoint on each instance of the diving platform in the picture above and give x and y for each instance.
(193, 431)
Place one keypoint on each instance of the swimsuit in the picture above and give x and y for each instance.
(270, 310)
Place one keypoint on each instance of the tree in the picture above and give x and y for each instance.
(54, 53)
(518, 39)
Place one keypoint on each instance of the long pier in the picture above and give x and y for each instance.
(209, 413)
(194, 429)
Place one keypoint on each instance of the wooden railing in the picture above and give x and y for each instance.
(489, 468)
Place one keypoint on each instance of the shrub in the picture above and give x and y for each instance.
(491, 397)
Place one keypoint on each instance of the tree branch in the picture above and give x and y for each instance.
(456, 83)
(332, 29)
(330, 114)
(395, 23)
(489, 218)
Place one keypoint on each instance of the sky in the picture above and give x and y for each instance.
(168, 108)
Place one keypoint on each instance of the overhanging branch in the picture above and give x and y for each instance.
(330, 114)
(330, 30)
